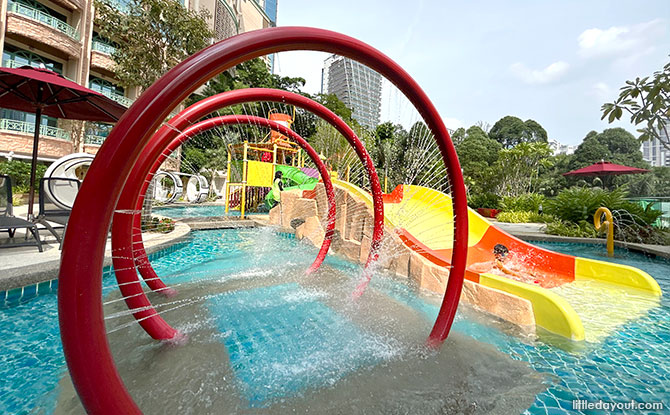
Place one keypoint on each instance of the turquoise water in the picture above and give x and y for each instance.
(309, 331)
(633, 363)
(195, 211)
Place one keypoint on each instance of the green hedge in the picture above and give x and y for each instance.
(19, 172)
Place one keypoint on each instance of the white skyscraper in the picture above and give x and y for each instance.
(655, 153)
(356, 85)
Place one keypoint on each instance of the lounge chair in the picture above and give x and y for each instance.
(10, 223)
(56, 199)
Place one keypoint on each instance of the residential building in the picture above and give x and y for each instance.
(61, 35)
(356, 85)
(559, 148)
(655, 153)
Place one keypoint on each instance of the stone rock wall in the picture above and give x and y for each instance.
(352, 239)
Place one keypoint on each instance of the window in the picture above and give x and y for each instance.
(104, 87)
(15, 57)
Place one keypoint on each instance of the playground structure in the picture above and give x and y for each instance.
(135, 149)
(257, 164)
(73, 166)
(197, 187)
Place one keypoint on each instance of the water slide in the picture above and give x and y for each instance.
(577, 298)
(300, 178)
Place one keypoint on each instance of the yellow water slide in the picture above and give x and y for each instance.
(577, 298)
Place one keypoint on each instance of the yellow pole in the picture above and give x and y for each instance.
(386, 184)
(274, 163)
(609, 222)
(228, 182)
(243, 196)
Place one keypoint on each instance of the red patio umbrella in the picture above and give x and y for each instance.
(605, 168)
(45, 92)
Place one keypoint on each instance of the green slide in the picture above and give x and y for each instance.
(296, 179)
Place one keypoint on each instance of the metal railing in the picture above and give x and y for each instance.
(94, 139)
(28, 128)
(11, 63)
(123, 100)
(45, 18)
(102, 47)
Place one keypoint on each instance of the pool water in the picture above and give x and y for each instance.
(265, 338)
(196, 211)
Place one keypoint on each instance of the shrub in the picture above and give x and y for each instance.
(164, 225)
(19, 173)
(484, 200)
(529, 202)
(583, 229)
(524, 217)
(514, 217)
(580, 203)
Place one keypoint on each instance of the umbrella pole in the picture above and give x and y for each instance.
(33, 165)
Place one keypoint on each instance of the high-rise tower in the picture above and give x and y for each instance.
(356, 85)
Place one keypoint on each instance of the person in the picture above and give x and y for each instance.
(502, 262)
(277, 188)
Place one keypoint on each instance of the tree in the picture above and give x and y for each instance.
(647, 101)
(477, 153)
(613, 144)
(550, 178)
(518, 167)
(510, 131)
(152, 37)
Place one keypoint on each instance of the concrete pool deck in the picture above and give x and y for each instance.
(25, 265)
(21, 266)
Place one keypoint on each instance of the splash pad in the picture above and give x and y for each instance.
(80, 309)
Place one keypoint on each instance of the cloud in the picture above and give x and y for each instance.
(453, 123)
(620, 40)
(602, 91)
(551, 73)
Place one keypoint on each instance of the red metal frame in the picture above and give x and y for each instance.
(153, 323)
(81, 316)
(122, 235)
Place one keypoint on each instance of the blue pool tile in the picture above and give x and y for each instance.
(44, 287)
(14, 294)
(291, 358)
(29, 291)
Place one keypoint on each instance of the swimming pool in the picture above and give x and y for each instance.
(292, 342)
(195, 211)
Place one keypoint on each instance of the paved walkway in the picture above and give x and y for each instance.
(20, 266)
(535, 232)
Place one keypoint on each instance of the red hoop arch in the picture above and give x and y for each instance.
(126, 276)
(151, 322)
(81, 319)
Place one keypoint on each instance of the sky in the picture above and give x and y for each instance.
(554, 62)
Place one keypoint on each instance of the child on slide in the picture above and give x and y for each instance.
(504, 265)
(277, 188)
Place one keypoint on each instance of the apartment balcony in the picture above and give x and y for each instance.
(17, 137)
(71, 5)
(41, 28)
(126, 102)
(95, 140)
(101, 56)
